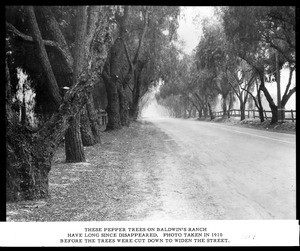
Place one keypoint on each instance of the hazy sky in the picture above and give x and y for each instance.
(187, 30)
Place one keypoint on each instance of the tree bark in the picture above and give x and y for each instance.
(210, 111)
(37, 38)
(87, 136)
(269, 98)
(95, 124)
(288, 92)
(200, 113)
(224, 105)
(89, 124)
(89, 132)
(113, 106)
(205, 111)
(260, 107)
(73, 142)
(29, 154)
(57, 35)
(124, 112)
(134, 108)
(242, 108)
(111, 76)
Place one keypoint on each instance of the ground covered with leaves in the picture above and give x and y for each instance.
(105, 187)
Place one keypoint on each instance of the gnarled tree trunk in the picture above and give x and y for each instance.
(269, 98)
(124, 111)
(73, 143)
(29, 153)
(89, 124)
(85, 129)
(113, 106)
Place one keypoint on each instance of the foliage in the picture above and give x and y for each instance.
(264, 37)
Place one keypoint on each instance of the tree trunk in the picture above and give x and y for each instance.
(242, 108)
(210, 111)
(87, 136)
(224, 106)
(194, 112)
(274, 112)
(133, 113)
(231, 100)
(205, 111)
(269, 98)
(113, 106)
(280, 114)
(260, 108)
(27, 164)
(200, 113)
(134, 110)
(111, 77)
(57, 35)
(37, 37)
(29, 154)
(189, 113)
(124, 112)
(73, 143)
(95, 124)
(90, 124)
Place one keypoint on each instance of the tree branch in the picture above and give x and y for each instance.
(27, 38)
(105, 76)
(287, 57)
(37, 38)
(254, 98)
(130, 88)
(286, 97)
(127, 55)
(289, 81)
(49, 43)
(57, 34)
(142, 37)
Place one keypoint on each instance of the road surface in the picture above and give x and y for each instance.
(172, 169)
(210, 171)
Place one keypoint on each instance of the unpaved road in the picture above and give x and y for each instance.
(172, 169)
(212, 171)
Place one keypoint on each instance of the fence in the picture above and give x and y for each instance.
(289, 114)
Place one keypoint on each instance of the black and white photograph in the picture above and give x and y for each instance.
(150, 125)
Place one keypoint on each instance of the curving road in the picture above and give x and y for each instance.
(216, 171)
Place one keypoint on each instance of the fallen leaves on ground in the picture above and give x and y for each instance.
(98, 189)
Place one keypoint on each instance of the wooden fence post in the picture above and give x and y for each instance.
(292, 115)
(266, 117)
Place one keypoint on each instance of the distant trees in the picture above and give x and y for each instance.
(235, 56)
(134, 62)
(264, 37)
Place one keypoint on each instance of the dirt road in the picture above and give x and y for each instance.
(213, 171)
(172, 169)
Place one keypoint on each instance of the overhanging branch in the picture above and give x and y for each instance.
(26, 38)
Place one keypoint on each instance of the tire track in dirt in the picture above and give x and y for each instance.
(163, 182)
